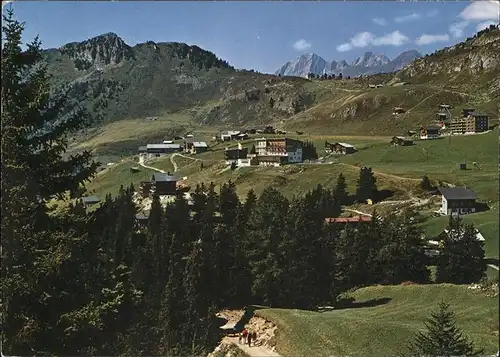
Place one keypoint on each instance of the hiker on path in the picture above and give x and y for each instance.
(254, 337)
(249, 338)
(244, 334)
(240, 336)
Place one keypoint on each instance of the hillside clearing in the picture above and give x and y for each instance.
(385, 329)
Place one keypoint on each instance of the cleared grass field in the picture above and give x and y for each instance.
(109, 180)
(383, 330)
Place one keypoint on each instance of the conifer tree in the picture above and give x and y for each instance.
(366, 187)
(442, 337)
(462, 257)
(402, 256)
(340, 193)
(265, 240)
(35, 121)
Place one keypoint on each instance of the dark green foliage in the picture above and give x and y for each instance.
(309, 151)
(402, 256)
(340, 193)
(425, 184)
(253, 151)
(366, 186)
(462, 258)
(442, 337)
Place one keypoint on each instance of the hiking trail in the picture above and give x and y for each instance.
(265, 333)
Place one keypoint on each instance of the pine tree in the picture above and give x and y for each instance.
(425, 184)
(35, 246)
(402, 256)
(366, 187)
(264, 245)
(442, 337)
(462, 257)
(340, 193)
(172, 309)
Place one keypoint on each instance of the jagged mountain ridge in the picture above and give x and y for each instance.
(116, 80)
(368, 63)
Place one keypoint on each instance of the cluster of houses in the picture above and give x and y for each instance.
(189, 145)
(243, 135)
(454, 201)
(339, 148)
(266, 152)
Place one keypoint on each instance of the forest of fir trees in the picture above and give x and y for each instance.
(98, 283)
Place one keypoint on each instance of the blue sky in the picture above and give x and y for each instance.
(263, 35)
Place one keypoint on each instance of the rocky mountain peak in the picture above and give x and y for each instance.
(104, 50)
(369, 59)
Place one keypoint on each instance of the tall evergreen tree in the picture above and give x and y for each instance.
(266, 234)
(442, 337)
(36, 120)
(402, 256)
(366, 186)
(462, 257)
(340, 192)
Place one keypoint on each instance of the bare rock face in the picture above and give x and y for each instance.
(478, 54)
(99, 52)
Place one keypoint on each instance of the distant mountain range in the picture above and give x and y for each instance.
(369, 63)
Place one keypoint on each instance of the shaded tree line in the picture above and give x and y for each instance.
(326, 76)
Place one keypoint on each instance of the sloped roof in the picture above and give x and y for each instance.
(200, 144)
(163, 146)
(163, 177)
(457, 193)
(90, 199)
(345, 145)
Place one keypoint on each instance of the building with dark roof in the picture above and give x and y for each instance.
(430, 132)
(457, 200)
(164, 183)
(157, 150)
(401, 141)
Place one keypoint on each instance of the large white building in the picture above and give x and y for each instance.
(277, 151)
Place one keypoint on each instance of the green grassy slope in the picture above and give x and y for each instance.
(110, 179)
(383, 330)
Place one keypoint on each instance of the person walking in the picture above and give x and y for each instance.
(244, 334)
(254, 337)
(249, 338)
(240, 336)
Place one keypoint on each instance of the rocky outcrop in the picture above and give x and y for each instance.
(99, 52)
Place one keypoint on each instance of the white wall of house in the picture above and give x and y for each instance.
(448, 211)
(444, 205)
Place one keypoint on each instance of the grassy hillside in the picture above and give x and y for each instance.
(385, 329)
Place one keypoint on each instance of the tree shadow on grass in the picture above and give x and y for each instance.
(481, 207)
(353, 304)
(383, 195)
